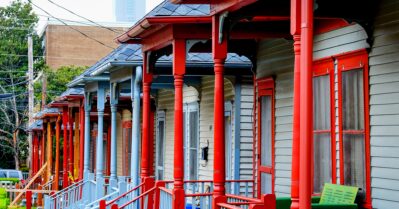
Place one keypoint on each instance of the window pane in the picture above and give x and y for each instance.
(322, 161)
(3, 174)
(266, 181)
(354, 169)
(161, 129)
(193, 164)
(352, 100)
(228, 145)
(266, 131)
(13, 174)
(321, 103)
(193, 129)
(127, 150)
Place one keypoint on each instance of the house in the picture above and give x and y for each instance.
(309, 99)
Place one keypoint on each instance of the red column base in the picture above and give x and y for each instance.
(178, 201)
(149, 183)
(216, 199)
(294, 203)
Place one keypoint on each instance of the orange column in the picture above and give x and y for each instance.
(81, 139)
(70, 142)
(306, 105)
(57, 153)
(65, 145)
(219, 50)
(296, 31)
(179, 67)
(49, 152)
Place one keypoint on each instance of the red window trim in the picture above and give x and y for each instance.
(323, 67)
(353, 61)
(265, 87)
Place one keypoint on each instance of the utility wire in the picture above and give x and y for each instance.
(82, 33)
(110, 29)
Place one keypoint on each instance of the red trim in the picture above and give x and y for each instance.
(265, 87)
(352, 61)
(323, 67)
(326, 25)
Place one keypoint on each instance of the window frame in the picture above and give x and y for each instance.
(324, 67)
(127, 146)
(187, 108)
(354, 61)
(265, 87)
(161, 116)
(228, 111)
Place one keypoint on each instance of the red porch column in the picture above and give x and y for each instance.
(219, 50)
(145, 146)
(306, 105)
(42, 145)
(34, 153)
(57, 153)
(81, 139)
(145, 166)
(179, 68)
(70, 142)
(296, 31)
(65, 145)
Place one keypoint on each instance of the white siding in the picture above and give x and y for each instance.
(246, 133)
(276, 58)
(384, 107)
(206, 121)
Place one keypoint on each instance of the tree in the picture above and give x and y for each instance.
(17, 21)
(57, 81)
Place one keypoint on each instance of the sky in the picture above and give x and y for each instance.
(96, 10)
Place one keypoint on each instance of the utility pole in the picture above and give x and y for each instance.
(31, 94)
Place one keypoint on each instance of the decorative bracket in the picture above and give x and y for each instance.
(222, 18)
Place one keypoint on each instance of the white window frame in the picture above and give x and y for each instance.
(187, 108)
(161, 116)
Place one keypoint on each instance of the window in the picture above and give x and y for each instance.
(126, 146)
(229, 149)
(266, 136)
(354, 122)
(160, 145)
(323, 120)
(191, 140)
(228, 139)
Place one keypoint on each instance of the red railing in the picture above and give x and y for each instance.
(239, 202)
(104, 203)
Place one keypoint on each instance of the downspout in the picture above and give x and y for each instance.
(134, 162)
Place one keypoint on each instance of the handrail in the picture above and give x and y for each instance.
(225, 205)
(138, 197)
(64, 190)
(199, 195)
(240, 180)
(124, 194)
(102, 198)
(248, 199)
(166, 190)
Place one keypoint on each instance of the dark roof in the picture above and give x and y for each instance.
(72, 91)
(166, 8)
(132, 53)
(37, 124)
(46, 111)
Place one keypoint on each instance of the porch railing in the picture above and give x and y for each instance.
(165, 198)
(67, 196)
(103, 204)
(133, 203)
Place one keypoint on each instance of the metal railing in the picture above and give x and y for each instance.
(67, 197)
(165, 198)
(121, 198)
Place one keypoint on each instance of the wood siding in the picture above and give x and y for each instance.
(276, 58)
(384, 106)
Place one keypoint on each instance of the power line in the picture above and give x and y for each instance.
(82, 33)
(110, 29)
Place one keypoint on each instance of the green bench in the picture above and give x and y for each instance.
(333, 197)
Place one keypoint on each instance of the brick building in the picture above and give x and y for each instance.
(65, 46)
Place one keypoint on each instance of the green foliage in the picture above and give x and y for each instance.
(14, 180)
(17, 22)
(57, 81)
